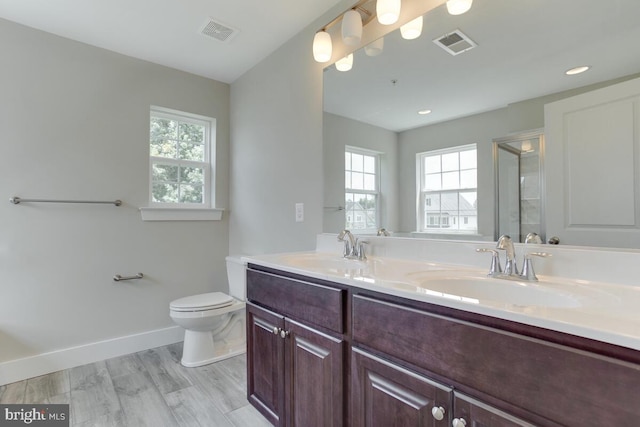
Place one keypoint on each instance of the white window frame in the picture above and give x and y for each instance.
(160, 211)
(422, 195)
(376, 193)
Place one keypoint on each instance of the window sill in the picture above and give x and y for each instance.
(180, 214)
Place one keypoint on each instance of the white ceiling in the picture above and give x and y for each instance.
(524, 47)
(168, 32)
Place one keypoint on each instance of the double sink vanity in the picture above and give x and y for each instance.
(417, 334)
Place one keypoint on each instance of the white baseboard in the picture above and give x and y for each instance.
(45, 363)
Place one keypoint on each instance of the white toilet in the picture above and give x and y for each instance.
(214, 322)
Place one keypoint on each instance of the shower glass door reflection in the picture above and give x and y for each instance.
(518, 174)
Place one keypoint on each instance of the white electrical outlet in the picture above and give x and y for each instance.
(299, 212)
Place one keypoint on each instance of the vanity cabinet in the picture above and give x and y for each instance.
(470, 412)
(295, 351)
(541, 382)
(385, 394)
(323, 354)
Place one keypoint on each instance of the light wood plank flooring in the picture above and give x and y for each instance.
(149, 388)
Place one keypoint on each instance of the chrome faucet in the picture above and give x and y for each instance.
(506, 244)
(511, 269)
(353, 248)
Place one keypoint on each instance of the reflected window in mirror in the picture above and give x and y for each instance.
(362, 196)
(447, 182)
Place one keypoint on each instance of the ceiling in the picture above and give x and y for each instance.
(524, 48)
(168, 32)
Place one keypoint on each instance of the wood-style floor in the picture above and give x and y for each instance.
(149, 388)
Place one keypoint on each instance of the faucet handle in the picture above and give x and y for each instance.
(527, 268)
(495, 268)
(362, 256)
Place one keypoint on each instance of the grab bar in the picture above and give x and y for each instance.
(18, 200)
(118, 278)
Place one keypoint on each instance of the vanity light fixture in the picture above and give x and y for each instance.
(388, 11)
(412, 29)
(322, 46)
(345, 64)
(374, 48)
(577, 70)
(352, 28)
(424, 112)
(458, 7)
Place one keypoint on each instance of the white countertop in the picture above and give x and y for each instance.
(600, 311)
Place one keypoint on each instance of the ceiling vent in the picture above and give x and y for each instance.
(218, 31)
(455, 42)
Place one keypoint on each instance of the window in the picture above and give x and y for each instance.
(361, 189)
(447, 182)
(181, 146)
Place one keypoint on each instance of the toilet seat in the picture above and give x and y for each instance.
(202, 302)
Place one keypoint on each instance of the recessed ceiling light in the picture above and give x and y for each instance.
(424, 112)
(577, 70)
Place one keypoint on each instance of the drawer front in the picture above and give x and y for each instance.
(555, 382)
(309, 302)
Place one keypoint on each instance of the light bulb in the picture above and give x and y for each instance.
(322, 47)
(458, 7)
(412, 29)
(388, 11)
(345, 64)
(351, 28)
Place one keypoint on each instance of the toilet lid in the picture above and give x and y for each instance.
(206, 301)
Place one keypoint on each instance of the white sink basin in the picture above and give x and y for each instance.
(463, 284)
(325, 263)
(482, 290)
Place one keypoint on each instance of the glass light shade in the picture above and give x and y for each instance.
(351, 28)
(388, 11)
(412, 29)
(458, 7)
(375, 47)
(345, 64)
(322, 47)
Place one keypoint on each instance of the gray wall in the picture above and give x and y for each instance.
(75, 125)
(339, 132)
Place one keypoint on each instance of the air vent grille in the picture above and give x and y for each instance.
(455, 42)
(218, 31)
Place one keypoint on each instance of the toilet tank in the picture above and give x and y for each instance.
(236, 272)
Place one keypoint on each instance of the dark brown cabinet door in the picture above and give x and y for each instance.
(386, 395)
(265, 363)
(469, 412)
(313, 377)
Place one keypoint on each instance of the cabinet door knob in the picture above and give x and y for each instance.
(458, 422)
(283, 333)
(438, 412)
(276, 330)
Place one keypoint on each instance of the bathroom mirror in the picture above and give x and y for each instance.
(512, 61)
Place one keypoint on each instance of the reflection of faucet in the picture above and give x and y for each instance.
(353, 247)
(533, 238)
(506, 244)
(383, 232)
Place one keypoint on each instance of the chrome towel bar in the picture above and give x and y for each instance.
(18, 200)
(118, 278)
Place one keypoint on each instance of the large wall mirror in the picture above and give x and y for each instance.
(506, 60)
